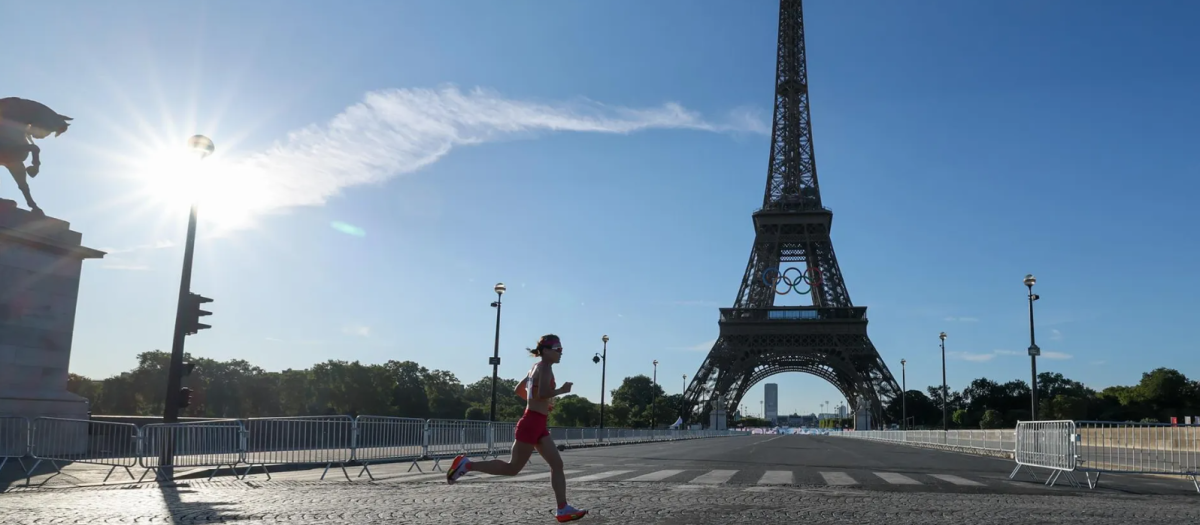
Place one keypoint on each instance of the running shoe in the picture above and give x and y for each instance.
(457, 469)
(570, 513)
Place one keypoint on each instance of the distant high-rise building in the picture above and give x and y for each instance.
(843, 411)
(771, 393)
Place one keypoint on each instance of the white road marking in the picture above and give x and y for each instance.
(838, 478)
(602, 475)
(656, 476)
(531, 477)
(957, 480)
(777, 477)
(896, 479)
(714, 477)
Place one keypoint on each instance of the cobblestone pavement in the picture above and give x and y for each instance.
(530, 502)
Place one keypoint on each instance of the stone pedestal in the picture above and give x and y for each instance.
(862, 414)
(40, 262)
(717, 418)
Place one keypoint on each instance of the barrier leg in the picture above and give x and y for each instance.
(415, 464)
(215, 470)
(1092, 482)
(366, 468)
(1195, 483)
(110, 471)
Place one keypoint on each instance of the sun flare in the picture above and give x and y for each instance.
(227, 194)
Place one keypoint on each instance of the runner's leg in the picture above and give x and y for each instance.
(558, 480)
(521, 452)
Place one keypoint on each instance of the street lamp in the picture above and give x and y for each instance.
(945, 396)
(201, 147)
(684, 384)
(1034, 351)
(495, 360)
(654, 403)
(903, 395)
(602, 358)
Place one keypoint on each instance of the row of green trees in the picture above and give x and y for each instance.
(1161, 394)
(239, 389)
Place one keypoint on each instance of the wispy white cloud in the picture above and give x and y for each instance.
(121, 259)
(397, 131)
(988, 356)
(359, 330)
(1098, 363)
(702, 347)
(126, 267)
(969, 356)
(1056, 355)
(1055, 335)
(706, 304)
(962, 319)
(139, 247)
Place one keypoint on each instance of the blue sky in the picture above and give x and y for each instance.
(603, 159)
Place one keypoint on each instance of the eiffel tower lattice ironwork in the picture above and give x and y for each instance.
(792, 244)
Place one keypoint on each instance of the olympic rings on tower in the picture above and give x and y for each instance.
(773, 277)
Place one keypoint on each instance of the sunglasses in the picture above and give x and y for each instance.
(554, 348)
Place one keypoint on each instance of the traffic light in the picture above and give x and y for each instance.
(185, 397)
(193, 313)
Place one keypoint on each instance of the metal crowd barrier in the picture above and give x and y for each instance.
(1046, 444)
(985, 442)
(195, 444)
(388, 438)
(14, 439)
(1136, 448)
(328, 440)
(304, 440)
(116, 445)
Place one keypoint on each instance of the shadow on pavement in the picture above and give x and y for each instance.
(190, 512)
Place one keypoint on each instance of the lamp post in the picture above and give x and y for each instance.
(602, 358)
(945, 395)
(202, 147)
(903, 395)
(684, 391)
(654, 403)
(1034, 351)
(495, 360)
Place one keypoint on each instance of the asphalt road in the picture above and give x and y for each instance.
(761, 479)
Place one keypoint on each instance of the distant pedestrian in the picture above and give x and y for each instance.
(533, 432)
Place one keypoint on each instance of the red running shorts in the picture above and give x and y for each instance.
(532, 427)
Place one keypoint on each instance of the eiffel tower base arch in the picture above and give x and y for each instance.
(749, 352)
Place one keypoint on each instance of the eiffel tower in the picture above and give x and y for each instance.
(792, 253)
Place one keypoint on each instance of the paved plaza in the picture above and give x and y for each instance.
(755, 479)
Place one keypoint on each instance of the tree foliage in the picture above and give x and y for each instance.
(984, 403)
(237, 389)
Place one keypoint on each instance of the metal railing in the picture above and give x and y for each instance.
(1065, 447)
(215, 443)
(14, 439)
(985, 442)
(1136, 448)
(1046, 444)
(264, 442)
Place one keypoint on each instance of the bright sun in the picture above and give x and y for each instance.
(228, 195)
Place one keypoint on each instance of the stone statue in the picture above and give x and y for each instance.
(21, 121)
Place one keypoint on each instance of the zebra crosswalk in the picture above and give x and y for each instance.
(714, 477)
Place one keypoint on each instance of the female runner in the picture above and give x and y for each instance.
(532, 430)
